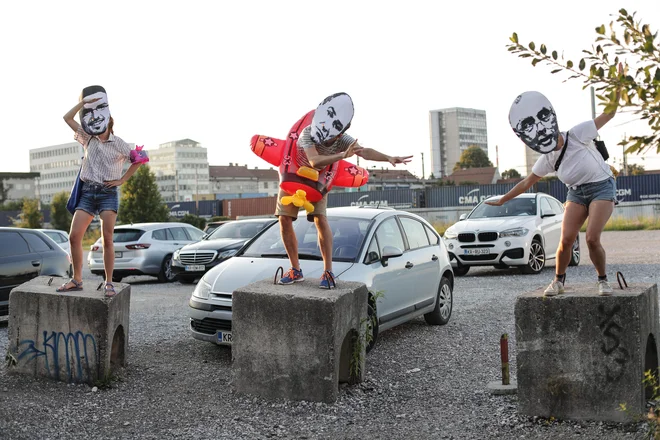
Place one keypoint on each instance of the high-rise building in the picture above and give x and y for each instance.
(58, 166)
(17, 186)
(182, 170)
(452, 131)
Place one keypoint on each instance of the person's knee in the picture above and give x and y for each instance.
(107, 241)
(76, 237)
(566, 242)
(593, 240)
(286, 222)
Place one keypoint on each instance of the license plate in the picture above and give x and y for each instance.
(118, 254)
(224, 337)
(195, 268)
(476, 251)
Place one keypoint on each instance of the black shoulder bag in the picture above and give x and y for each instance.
(602, 149)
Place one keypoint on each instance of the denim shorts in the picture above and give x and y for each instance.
(96, 198)
(587, 193)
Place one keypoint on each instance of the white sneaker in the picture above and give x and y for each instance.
(555, 288)
(604, 288)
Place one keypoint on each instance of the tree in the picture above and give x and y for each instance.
(194, 220)
(4, 190)
(140, 199)
(633, 169)
(60, 218)
(638, 84)
(511, 174)
(473, 157)
(31, 217)
(431, 176)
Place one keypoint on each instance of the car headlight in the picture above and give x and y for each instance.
(202, 290)
(516, 232)
(227, 254)
(450, 234)
(176, 254)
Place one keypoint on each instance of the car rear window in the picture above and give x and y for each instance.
(125, 235)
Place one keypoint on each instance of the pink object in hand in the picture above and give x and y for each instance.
(139, 155)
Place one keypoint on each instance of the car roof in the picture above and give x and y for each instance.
(10, 228)
(260, 219)
(52, 230)
(361, 212)
(152, 226)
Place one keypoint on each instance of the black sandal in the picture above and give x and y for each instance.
(109, 287)
(77, 286)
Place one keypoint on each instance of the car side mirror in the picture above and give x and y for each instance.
(545, 214)
(372, 257)
(462, 217)
(390, 252)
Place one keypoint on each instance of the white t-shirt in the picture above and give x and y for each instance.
(582, 162)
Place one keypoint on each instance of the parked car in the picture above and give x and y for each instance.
(59, 237)
(194, 260)
(398, 255)
(144, 249)
(26, 254)
(212, 226)
(524, 232)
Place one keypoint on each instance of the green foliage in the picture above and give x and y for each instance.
(638, 86)
(60, 218)
(468, 182)
(443, 182)
(31, 216)
(140, 199)
(194, 220)
(431, 176)
(473, 157)
(4, 190)
(633, 170)
(511, 174)
(219, 218)
(12, 206)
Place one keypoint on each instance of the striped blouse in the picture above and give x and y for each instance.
(103, 161)
(305, 141)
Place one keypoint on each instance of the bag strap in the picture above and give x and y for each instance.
(561, 156)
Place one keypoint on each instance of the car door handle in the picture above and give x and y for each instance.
(434, 258)
(176, 244)
(36, 263)
(409, 265)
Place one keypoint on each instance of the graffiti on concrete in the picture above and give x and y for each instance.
(611, 345)
(75, 347)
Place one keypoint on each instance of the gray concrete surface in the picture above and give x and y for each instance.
(422, 382)
(582, 355)
(297, 342)
(80, 336)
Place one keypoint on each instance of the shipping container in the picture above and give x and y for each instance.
(259, 206)
(399, 199)
(203, 208)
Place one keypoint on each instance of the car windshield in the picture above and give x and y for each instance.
(512, 208)
(239, 229)
(348, 235)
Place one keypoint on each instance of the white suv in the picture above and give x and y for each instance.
(523, 232)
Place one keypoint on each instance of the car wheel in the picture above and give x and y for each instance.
(117, 279)
(443, 306)
(70, 272)
(166, 275)
(373, 328)
(536, 258)
(575, 253)
(461, 270)
(186, 280)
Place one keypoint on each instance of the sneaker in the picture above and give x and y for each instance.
(292, 276)
(328, 280)
(604, 288)
(555, 288)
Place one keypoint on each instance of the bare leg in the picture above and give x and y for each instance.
(574, 218)
(79, 224)
(289, 240)
(325, 240)
(108, 220)
(600, 212)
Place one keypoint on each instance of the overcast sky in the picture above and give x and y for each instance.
(220, 71)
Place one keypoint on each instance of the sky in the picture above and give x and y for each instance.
(219, 72)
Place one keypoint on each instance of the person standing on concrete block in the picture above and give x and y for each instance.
(100, 176)
(580, 165)
(320, 144)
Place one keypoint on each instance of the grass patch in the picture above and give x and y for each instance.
(90, 237)
(625, 224)
(441, 227)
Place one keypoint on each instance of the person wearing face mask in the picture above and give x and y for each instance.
(579, 165)
(320, 144)
(101, 175)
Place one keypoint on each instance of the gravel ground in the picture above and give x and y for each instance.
(421, 382)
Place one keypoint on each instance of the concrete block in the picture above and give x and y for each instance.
(296, 342)
(581, 355)
(72, 337)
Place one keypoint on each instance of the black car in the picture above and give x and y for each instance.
(26, 254)
(193, 260)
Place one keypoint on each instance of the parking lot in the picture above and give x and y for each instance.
(422, 381)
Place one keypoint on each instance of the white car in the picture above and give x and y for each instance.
(59, 237)
(398, 255)
(524, 232)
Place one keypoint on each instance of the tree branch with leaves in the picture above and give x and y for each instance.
(627, 41)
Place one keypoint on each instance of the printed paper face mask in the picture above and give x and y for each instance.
(535, 122)
(94, 116)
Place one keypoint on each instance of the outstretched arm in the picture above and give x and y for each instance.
(604, 118)
(520, 188)
(377, 156)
